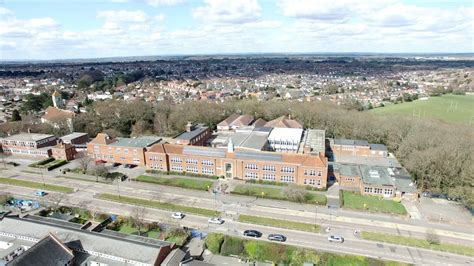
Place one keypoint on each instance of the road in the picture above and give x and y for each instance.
(84, 198)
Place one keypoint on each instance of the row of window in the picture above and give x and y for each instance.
(21, 151)
(384, 191)
(312, 172)
(313, 182)
(19, 143)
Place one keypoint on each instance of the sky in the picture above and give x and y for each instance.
(67, 29)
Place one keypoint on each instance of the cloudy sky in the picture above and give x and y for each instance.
(59, 29)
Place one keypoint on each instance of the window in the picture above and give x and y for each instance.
(286, 169)
(310, 172)
(125, 151)
(309, 182)
(367, 189)
(117, 150)
(251, 166)
(176, 159)
(270, 177)
(192, 169)
(388, 192)
(251, 175)
(207, 162)
(191, 161)
(208, 171)
(269, 168)
(350, 179)
(287, 179)
(175, 167)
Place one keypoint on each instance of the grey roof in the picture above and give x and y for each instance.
(316, 139)
(140, 142)
(255, 140)
(351, 142)
(378, 147)
(28, 137)
(119, 245)
(366, 160)
(264, 156)
(376, 175)
(349, 170)
(48, 251)
(405, 184)
(193, 133)
(174, 258)
(73, 135)
(193, 150)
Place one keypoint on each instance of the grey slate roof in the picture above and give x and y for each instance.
(349, 170)
(351, 142)
(193, 133)
(378, 147)
(73, 135)
(28, 137)
(376, 175)
(174, 258)
(140, 142)
(48, 251)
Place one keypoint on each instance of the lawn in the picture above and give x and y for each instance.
(177, 182)
(353, 200)
(279, 223)
(276, 193)
(30, 184)
(158, 205)
(449, 108)
(417, 242)
(128, 229)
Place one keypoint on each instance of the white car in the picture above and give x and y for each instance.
(177, 215)
(335, 238)
(216, 220)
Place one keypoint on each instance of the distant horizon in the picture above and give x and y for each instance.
(263, 54)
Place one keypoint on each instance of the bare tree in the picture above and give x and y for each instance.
(137, 218)
(84, 162)
(295, 194)
(56, 199)
(432, 237)
(101, 171)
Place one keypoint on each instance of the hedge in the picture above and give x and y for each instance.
(159, 172)
(56, 165)
(232, 246)
(282, 184)
(42, 162)
(214, 242)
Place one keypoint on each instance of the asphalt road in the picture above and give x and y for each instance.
(85, 198)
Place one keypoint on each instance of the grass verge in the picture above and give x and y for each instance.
(279, 223)
(158, 205)
(417, 242)
(279, 194)
(177, 182)
(357, 201)
(30, 184)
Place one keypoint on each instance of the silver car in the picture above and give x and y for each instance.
(335, 238)
(215, 220)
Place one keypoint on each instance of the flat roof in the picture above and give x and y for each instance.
(139, 142)
(287, 134)
(28, 137)
(349, 169)
(73, 135)
(118, 245)
(316, 139)
(351, 142)
(378, 147)
(376, 175)
(366, 160)
(193, 133)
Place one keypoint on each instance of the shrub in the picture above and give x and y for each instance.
(42, 162)
(214, 242)
(56, 165)
(232, 246)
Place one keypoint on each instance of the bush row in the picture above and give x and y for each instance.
(42, 162)
(276, 183)
(159, 172)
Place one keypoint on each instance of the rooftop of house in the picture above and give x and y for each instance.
(284, 122)
(138, 142)
(74, 135)
(195, 131)
(376, 175)
(53, 113)
(114, 245)
(28, 137)
(378, 147)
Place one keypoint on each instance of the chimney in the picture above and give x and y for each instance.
(189, 127)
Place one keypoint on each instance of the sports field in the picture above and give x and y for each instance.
(449, 108)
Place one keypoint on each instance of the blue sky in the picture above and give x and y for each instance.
(57, 29)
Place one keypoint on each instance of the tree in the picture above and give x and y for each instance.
(295, 194)
(101, 171)
(432, 237)
(137, 218)
(84, 162)
(16, 115)
(5, 197)
(56, 199)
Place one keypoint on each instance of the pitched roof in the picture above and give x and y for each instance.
(53, 113)
(228, 120)
(102, 138)
(282, 121)
(242, 120)
(48, 251)
(259, 122)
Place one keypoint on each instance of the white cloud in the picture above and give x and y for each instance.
(123, 16)
(156, 3)
(229, 12)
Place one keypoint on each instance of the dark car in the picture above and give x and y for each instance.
(127, 165)
(116, 164)
(252, 233)
(133, 165)
(277, 237)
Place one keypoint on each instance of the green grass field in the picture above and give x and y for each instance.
(371, 203)
(177, 182)
(30, 184)
(279, 223)
(417, 242)
(158, 205)
(449, 108)
(276, 193)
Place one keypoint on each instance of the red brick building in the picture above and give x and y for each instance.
(195, 135)
(29, 144)
(63, 151)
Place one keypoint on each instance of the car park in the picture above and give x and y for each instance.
(252, 233)
(177, 215)
(277, 237)
(216, 220)
(335, 238)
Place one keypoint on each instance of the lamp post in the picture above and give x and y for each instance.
(118, 185)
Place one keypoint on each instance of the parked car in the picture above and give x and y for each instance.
(40, 193)
(116, 164)
(100, 162)
(216, 220)
(177, 215)
(126, 165)
(252, 233)
(277, 237)
(335, 238)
